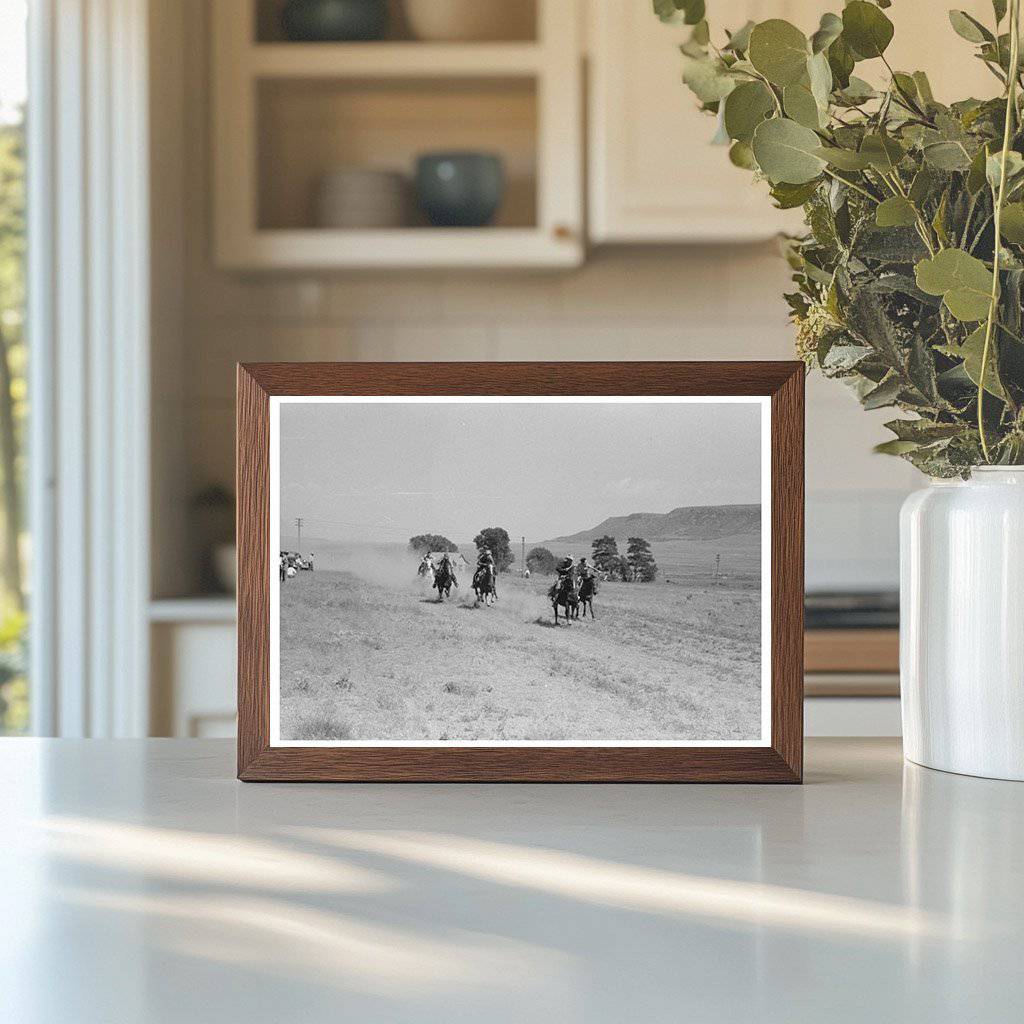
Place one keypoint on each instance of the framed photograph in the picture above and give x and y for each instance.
(559, 572)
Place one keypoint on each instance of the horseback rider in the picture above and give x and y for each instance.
(449, 565)
(566, 575)
(485, 566)
(427, 565)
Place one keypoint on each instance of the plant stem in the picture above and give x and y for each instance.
(853, 185)
(1011, 109)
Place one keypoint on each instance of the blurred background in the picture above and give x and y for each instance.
(360, 180)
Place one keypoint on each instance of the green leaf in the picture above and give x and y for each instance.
(905, 84)
(844, 159)
(924, 88)
(866, 29)
(801, 106)
(939, 220)
(923, 431)
(779, 51)
(666, 10)
(739, 41)
(969, 28)
(1012, 224)
(895, 447)
(819, 74)
(947, 156)
(857, 91)
(741, 155)
(707, 78)
(745, 108)
(976, 173)
(829, 30)
(971, 351)
(963, 281)
(883, 152)
(993, 167)
(922, 185)
(841, 63)
(999, 9)
(689, 12)
(788, 197)
(701, 34)
(787, 151)
(895, 212)
(885, 394)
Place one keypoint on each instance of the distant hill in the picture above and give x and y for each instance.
(698, 522)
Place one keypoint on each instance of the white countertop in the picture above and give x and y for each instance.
(140, 882)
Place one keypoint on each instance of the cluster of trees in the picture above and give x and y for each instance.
(542, 561)
(493, 537)
(637, 564)
(497, 539)
(424, 542)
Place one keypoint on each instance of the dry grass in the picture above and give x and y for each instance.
(369, 660)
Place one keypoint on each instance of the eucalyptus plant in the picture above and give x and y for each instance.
(910, 277)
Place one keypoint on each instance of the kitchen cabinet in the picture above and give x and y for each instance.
(286, 114)
(653, 177)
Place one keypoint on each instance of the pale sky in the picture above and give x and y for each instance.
(384, 472)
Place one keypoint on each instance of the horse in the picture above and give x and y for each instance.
(427, 570)
(585, 595)
(563, 594)
(483, 586)
(444, 580)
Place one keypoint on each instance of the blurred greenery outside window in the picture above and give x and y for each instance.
(14, 538)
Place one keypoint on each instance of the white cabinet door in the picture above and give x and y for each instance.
(654, 177)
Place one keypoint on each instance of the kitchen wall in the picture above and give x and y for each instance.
(652, 303)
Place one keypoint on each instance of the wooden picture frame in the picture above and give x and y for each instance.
(779, 759)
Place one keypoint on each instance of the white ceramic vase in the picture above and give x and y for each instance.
(962, 624)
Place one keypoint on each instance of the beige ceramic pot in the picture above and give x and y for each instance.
(471, 20)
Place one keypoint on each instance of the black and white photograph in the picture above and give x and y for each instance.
(518, 571)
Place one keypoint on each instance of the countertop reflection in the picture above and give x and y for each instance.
(140, 882)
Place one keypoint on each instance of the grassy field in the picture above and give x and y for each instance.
(369, 654)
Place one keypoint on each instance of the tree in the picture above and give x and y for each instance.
(495, 538)
(640, 559)
(431, 542)
(605, 554)
(541, 560)
(618, 568)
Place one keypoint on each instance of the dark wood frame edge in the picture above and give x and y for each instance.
(780, 762)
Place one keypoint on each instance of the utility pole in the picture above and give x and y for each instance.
(298, 527)
(522, 561)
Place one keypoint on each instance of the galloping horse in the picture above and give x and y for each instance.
(444, 578)
(588, 588)
(483, 586)
(427, 569)
(563, 594)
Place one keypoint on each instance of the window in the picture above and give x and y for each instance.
(14, 690)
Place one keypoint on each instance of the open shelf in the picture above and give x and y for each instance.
(286, 114)
(309, 127)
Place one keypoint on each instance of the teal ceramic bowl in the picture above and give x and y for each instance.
(334, 21)
(460, 189)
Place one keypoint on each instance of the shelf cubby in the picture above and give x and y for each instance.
(286, 113)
